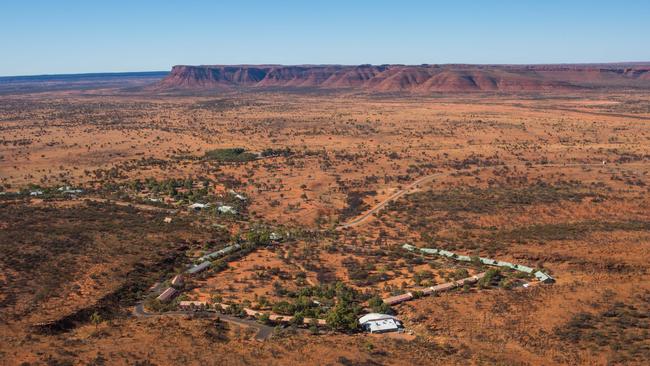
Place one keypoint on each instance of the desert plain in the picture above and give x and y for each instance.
(96, 184)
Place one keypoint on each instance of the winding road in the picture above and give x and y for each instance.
(367, 215)
(361, 219)
(264, 332)
(139, 206)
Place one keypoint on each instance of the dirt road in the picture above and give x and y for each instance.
(139, 206)
(361, 219)
(367, 215)
(263, 331)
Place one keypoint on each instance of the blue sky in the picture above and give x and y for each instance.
(41, 37)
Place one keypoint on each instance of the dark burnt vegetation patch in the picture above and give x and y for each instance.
(446, 218)
(100, 255)
(272, 152)
(223, 104)
(492, 199)
(566, 231)
(355, 204)
(230, 155)
(635, 106)
(620, 328)
(474, 160)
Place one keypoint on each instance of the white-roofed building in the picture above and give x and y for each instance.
(544, 277)
(199, 267)
(227, 210)
(237, 195)
(380, 323)
(199, 206)
(69, 190)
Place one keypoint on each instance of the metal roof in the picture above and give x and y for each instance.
(409, 247)
(543, 277)
(398, 298)
(167, 294)
(227, 209)
(523, 268)
(384, 325)
(220, 252)
(198, 268)
(374, 317)
(199, 205)
(177, 280)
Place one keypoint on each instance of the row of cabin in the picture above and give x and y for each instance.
(393, 300)
(177, 281)
(170, 292)
(221, 252)
(199, 267)
(224, 209)
(167, 295)
(541, 276)
(205, 260)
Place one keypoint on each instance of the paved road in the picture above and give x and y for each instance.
(263, 331)
(366, 216)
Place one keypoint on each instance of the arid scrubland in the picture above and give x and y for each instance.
(555, 182)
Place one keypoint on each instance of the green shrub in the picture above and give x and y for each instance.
(230, 155)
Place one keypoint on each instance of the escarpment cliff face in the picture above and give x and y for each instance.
(419, 79)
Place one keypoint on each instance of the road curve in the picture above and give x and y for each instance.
(364, 217)
(361, 219)
(264, 332)
(139, 206)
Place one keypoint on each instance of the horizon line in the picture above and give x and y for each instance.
(107, 73)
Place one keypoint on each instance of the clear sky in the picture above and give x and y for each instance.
(42, 37)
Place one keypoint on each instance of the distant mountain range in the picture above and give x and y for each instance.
(416, 78)
(371, 78)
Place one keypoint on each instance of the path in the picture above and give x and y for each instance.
(361, 219)
(367, 215)
(263, 331)
(126, 204)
